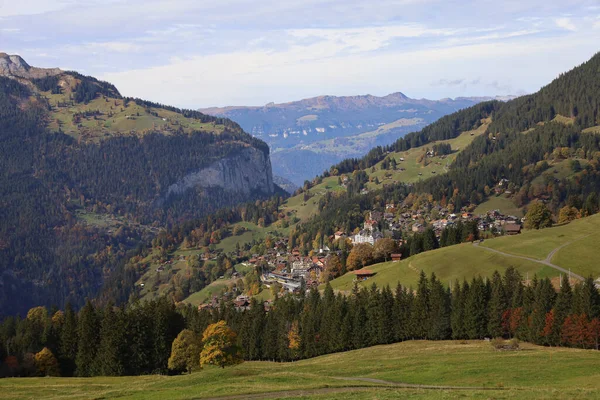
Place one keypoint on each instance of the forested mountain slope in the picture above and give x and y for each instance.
(74, 151)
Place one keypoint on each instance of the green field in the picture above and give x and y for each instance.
(502, 203)
(463, 261)
(463, 369)
(539, 243)
(305, 209)
(415, 170)
(115, 118)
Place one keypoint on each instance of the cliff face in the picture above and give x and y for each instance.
(13, 66)
(248, 171)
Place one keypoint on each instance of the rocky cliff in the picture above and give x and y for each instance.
(13, 66)
(248, 171)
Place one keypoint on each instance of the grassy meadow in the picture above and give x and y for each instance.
(466, 369)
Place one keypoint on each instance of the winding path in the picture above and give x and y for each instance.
(378, 383)
(546, 261)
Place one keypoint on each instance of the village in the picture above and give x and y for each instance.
(288, 270)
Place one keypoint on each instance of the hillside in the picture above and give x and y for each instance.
(87, 176)
(569, 247)
(308, 136)
(447, 369)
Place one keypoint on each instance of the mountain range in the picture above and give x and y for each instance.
(87, 175)
(309, 135)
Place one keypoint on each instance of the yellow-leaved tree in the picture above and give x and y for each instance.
(219, 346)
(294, 340)
(184, 352)
(46, 363)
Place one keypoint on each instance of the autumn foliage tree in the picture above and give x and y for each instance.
(220, 348)
(360, 256)
(185, 351)
(46, 363)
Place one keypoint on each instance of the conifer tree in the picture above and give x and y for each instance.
(113, 341)
(439, 316)
(88, 334)
(562, 309)
(419, 319)
(68, 342)
(476, 310)
(497, 306)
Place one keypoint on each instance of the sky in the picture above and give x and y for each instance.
(199, 53)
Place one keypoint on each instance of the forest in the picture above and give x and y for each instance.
(137, 338)
(48, 255)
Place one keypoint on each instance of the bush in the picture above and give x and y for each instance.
(501, 344)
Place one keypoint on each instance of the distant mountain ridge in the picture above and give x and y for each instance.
(309, 135)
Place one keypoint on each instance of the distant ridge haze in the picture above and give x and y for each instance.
(309, 135)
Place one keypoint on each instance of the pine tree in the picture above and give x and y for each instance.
(457, 317)
(439, 316)
(419, 319)
(113, 340)
(476, 310)
(562, 309)
(88, 333)
(497, 306)
(68, 342)
(543, 302)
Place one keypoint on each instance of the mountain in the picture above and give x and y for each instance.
(87, 175)
(309, 135)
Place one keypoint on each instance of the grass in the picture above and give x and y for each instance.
(559, 170)
(464, 261)
(115, 118)
(593, 129)
(539, 243)
(252, 232)
(305, 209)
(415, 170)
(449, 264)
(502, 203)
(532, 373)
(205, 294)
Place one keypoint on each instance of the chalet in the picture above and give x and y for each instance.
(339, 235)
(301, 268)
(396, 257)
(390, 206)
(363, 274)
(512, 229)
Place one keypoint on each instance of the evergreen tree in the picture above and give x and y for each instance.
(88, 334)
(498, 304)
(476, 310)
(113, 341)
(562, 309)
(419, 319)
(68, 342)
(440, 311)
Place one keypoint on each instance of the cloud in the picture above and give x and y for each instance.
(565, 23)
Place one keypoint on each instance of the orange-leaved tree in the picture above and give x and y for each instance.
(219, 346)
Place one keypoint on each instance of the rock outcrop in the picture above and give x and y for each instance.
(248, 171)
(13, 66)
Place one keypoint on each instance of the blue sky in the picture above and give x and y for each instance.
(198, 53)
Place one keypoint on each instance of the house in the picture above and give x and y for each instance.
(418, 228)
(366, 236)
(363, 274)
(512, 229)
(396, 257)
(339, 235)
(375, 215)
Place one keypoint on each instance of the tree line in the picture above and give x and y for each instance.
(138, 338)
